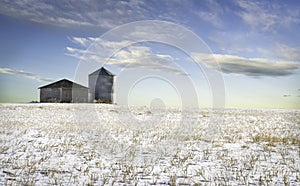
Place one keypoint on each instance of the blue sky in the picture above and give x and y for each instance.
(255, 43)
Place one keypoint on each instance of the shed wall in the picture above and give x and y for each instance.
(79, 95)
(50, 95)
(66, 95)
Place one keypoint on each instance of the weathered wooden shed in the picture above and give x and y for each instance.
(64, 91)
(101, 86)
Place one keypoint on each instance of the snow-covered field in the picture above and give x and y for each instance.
(70, 144)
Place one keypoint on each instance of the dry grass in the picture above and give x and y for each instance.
(43, 144)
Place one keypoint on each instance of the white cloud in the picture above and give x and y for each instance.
(254, 44)
(132, 56)
(109, 14)
(266, 15)
(24, 74)
(254, 67)
(142, 56)
(103, 14)
(85, 42)
(288, 52)
(46, 12)
(66, 13)
(212, 13)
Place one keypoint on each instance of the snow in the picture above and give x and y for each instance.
(102, 144)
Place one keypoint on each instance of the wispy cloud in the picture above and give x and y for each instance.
(70, 13)
(24, 74)
(253, 44)
(143, 57)
(288, 52)
(267, 15)
(85, 42)
(254, 67)
(132, 56)
(47, 12)
(211, 13)
(109, 14)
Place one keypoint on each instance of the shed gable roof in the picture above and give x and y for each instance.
(64, 83)
(102, 71)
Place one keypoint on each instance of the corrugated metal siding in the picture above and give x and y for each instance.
(79, 95)
(101, 87)
(66, 95)
(50, 95)
(92, 84)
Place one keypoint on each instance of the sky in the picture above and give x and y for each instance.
(229, 53)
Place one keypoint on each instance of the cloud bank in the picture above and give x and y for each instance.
(135, 56)
(24, 74)
(259, 15)
(255, 67)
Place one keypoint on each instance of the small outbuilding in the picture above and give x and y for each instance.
(101, 86)
(64, 91)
